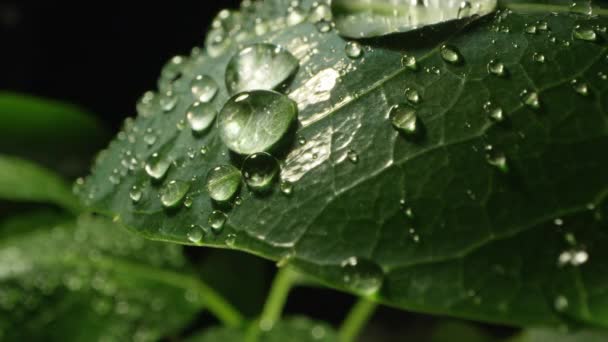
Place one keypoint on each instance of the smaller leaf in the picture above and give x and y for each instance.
(24, 181)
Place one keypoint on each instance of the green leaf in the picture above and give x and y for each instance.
(544, 335)
(24, 181)
(90, 281)
(488, 203)
(54, 133)
(293, 329)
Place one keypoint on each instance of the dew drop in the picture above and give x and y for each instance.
(560, 303)
(203, 88)
(495, 113)
(580, 87)
(286, 187)
(584, 33)
(404, 119)
(200, 115)
(530, 99)
(497, 159)
(168, 101)
(409, 62)
(530, 29)
(146, 105)
(538, 57)
(260, 67)
(135, 194)
(497, 68)
(323, 26)
(195, 234)
(173, 193)
(223, 182)
(352, 156)
(412, 95)
(230, 240)
(450, 54)
(353, 50)
(157, 166)
(216, 220)
(255, 121)
(260, 171)
(362, 275)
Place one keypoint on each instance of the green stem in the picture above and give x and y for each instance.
(356, 320)
(211, 300)
(273, 308)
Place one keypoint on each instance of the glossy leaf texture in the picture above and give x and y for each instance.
(294, 329)
(91, 280)
(482, 195)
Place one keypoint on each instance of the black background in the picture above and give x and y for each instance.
(103, 55)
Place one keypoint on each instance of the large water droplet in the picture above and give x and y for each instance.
(216, 220)
(173, 193)
(497, 68)
(260, 67)
(409, 62)
(260, 171)
(362, 275)
(157, 166)
(365, 18)
(223, 182)
(450, 54)
(412, 95)
(404, 119)
(584, 33)
(255, 121)
(203, 88)
(195, 234)
(200, 116)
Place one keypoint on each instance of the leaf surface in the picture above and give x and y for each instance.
(483, 216)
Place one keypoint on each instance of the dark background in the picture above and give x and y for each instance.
(103, 55)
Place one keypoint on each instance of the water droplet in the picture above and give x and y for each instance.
(200, 116)
(352, 156)
(560, 303)
(223, 182)
(412, 95)
(530, 29)
(295, 14)
(323, 26)
(450, 54)
(168, 101)
(409, 62)
(495, 113)
(581, 7)
(260, 171)
(173, 193)
(286, 187)
(157, 166)
(255, 121)
(538, 57)
(203, 88)
(320, 11)
(362, 275)
(216, 220)
(497, 68)
(364, 18)
(580, 87)
(188, 201)
(573, 257)
(195, 234)
(405, 120)
(353, 50)
(135, 194)
(497, 159)
(530, 99)
(146, 105)
(584, 33)
(230, 240)
(542, 25)
(260, 67)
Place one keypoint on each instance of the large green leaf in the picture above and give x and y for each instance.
(293, 329)
(466, 213)
(24, 181)
(90, 281)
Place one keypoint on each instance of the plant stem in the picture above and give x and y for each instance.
(273, 308)
(358, 316)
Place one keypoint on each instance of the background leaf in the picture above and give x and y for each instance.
(472, 218)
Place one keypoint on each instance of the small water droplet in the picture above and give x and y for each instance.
(188, 201)
(223, 182)
(530, 99)
(203, 88)
(286, 187)
(497, 68)
(352, 156)
(495, 113)
(530, 29)
(260, 171)
(200, 116)
(538, 57)
(135, 194)
(195, 234)
(168, 101)
(173, 193)
(580, 87)
(560, 303)
(157, 166)
(412, 95)
(450, 54)
(404, 119)
(255, 121)
(497, 159)
(216, 220)
(409, 62)
(323, 26)
(230, 240)
(362, 275)
(353, 50)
